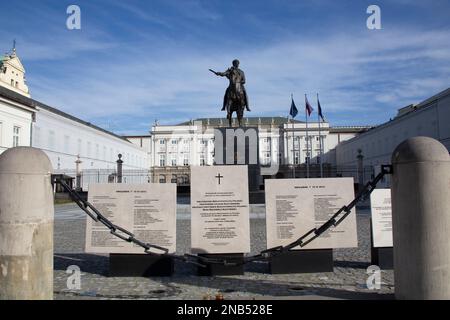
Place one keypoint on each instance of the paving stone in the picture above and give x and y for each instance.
(348, 281)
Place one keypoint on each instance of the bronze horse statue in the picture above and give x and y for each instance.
(235, 99)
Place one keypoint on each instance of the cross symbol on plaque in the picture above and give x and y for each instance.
(219, 177)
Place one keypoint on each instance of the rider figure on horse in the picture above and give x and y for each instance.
(235, 98)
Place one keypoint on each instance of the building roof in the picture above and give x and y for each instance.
(350, 129)
(402, 112)
(6, 57)
(17, 97)
(415, 107)
(4, 92)
(70, 117)
(252, 121)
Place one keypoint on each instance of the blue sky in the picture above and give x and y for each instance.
(136, 61)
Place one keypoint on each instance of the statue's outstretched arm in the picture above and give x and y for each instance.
(221, 74)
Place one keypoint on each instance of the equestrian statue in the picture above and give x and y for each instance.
(235, 99)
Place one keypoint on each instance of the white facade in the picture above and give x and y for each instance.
(301, 141)
(173, 146)
(430, 118)
(193, 143)
(15, 122)
(63, 138)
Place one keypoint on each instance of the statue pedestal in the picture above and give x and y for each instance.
(239, 146)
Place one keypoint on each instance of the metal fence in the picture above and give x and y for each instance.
(182, 177)
(92, 176)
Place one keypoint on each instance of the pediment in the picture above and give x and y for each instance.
(16, 63)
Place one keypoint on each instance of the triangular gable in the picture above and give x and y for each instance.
(15, 62)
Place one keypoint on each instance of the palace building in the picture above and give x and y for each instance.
(430, 118)
(172, 149)
(64, 138)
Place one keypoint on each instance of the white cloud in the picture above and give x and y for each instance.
(373, 71)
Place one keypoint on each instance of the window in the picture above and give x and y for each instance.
(184, 179)
(79, 147)
(267, 143)
(266, 158)
(174, 160)
(51, 139)
(162, 160)
(66, 144)
(36, 136)
(17, 84)
(162, 141)
(174, 178)
(162, 178)
(185, 159)
(185, 145)
(202, 159)
(296, 157)
(296, 142)
(16, 136)
(12, 83)
(174, 141)
(88, 149)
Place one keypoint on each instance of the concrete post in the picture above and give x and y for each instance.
(421, 219)
(360, 159)
(26, 225)
(78, 172)
(119, 168)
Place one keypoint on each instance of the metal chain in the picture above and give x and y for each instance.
(301, 242)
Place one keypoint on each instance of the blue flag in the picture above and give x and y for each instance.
(320, 110)
(293, 112)
(308, 107)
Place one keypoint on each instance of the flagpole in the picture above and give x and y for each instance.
(307, 141)
(293, 143)
(320, 139)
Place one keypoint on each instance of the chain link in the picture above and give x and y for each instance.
(202, 261)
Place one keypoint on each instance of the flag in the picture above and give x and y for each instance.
(293, 112)
(320, 110)
(309, 109)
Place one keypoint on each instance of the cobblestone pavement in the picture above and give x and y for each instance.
(348, 281)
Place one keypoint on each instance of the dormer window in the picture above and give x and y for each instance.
(12, 83)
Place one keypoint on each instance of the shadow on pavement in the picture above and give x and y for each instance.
(89, 263)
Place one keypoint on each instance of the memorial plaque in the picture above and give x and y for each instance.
(220, 219)
(146, 210)
(380, 203)
(295, 206)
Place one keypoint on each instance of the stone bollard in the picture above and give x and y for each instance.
(421, 219)
(26, 225)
